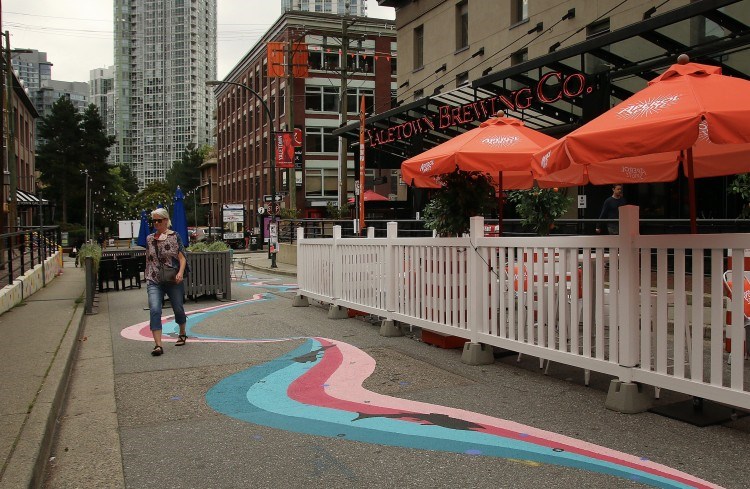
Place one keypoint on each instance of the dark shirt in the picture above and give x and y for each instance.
(610, 208)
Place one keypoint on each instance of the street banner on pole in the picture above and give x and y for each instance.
(362, 164)
(275, 53)
(284, 149)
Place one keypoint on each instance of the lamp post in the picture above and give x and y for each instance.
(86, 204)
(271, 153)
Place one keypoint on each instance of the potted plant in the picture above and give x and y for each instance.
(210, 270)
(539, 207)
(462, 195)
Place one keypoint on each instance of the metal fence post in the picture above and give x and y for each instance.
(88, 263)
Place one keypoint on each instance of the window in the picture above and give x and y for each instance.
(320, 140)
(462, 78)
(597, 28)
(462, 25)
(419, 47)
(322, 99)
(519, 57)
(324, 182)
(418, 94)
(315, 60)
(519, 10)
(354, 97)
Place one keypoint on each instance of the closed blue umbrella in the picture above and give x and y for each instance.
(144, 230)
(179, 218)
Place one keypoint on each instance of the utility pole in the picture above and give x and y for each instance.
(12, 170)
(344, 110)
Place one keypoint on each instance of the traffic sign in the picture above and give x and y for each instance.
(270, 210)
(269, 198)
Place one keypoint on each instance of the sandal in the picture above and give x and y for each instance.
(181, 339)
(158, 350)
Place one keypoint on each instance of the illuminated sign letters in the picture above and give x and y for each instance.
(550, 88)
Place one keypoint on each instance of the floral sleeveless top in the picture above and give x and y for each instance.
(170, 246)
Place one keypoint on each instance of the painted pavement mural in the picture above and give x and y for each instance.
(317, 389)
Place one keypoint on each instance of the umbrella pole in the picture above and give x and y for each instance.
(500, 202)
(691, 191)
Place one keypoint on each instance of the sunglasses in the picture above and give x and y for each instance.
(155, 221)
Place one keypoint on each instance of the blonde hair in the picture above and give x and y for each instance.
(163, 214)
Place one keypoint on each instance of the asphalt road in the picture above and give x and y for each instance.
(137, 421)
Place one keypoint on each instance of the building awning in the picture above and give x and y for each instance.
(27, 199)
(559, 91)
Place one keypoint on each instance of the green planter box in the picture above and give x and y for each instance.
(210, 274)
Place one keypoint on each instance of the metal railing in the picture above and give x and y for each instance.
(20, 251)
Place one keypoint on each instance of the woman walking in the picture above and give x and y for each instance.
(165, 268)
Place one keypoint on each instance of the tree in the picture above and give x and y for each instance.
(129, 180)
(73, 142)
(59, 158)
(463, 195)
(150, 197)
(186, 174)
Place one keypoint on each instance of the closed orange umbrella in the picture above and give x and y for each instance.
(501, 147)
(371, 196)
(690, 116)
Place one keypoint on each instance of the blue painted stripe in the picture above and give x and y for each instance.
(259, 395)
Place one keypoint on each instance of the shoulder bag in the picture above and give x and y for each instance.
(166, 275)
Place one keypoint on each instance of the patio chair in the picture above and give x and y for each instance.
(130, 270)
(108, 272)
(746, 310)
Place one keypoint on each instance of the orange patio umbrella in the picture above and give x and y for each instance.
(691, 116)
(501, 147)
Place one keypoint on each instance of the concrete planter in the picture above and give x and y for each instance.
(210, 274)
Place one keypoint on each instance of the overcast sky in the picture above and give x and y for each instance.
(77, 34)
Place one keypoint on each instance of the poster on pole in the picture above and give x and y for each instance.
(284, 148)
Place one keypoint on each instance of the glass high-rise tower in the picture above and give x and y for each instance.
(356, 7)
(165, 50)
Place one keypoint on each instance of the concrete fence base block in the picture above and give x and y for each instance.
(337, 312)
(300, 301)
(627, 397)
(388, 328)
(477, 354)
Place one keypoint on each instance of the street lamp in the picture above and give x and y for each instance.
(271, 152)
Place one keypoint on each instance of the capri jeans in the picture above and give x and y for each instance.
(176, 294)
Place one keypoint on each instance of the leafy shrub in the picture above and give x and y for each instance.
(741, 186)
(463, 195)
(93, 250)
(540, 207)
(202, 246)
(336, 212)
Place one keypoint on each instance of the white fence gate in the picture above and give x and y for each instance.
(641, 308)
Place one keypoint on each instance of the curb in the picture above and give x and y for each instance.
(275, 271)
(29, 459)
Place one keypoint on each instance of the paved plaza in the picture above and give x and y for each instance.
(268, 395)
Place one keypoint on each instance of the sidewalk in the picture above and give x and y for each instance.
(36, 352)
(258, 260)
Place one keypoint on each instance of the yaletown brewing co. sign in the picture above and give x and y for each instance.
(550, 88)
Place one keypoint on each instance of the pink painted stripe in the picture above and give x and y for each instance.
(344, 391)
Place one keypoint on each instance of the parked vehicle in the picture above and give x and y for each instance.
(201, 233)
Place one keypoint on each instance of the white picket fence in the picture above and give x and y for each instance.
(608, 304)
